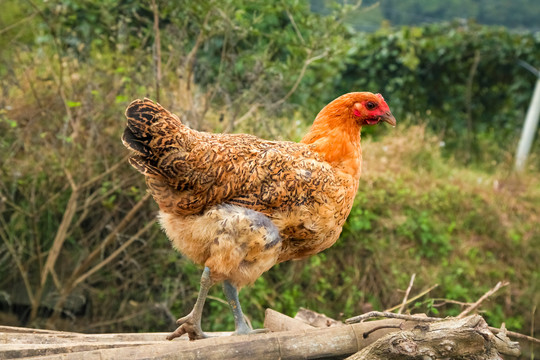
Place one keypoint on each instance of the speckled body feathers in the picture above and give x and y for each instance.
(225, 196)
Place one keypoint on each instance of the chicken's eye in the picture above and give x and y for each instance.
(370, 105)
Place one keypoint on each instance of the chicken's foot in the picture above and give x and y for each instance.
(191, 323)
(242, 327)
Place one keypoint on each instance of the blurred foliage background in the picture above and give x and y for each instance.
(79, 247)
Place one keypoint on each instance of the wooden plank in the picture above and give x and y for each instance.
(65, 337)
(15, 329)
(296, 344)
(16, 351)
(43, 343)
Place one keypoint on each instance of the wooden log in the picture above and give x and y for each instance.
(467, 338)
(24, 342)
(15, 329)
(338, 341)
(316, 319)
(276, 321)
(62, 338)
(37, 336)
(296, 344)
(61, 350)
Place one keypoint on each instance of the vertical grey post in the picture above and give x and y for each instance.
(529, 128)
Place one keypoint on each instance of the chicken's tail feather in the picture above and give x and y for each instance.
(136, 144)
(148, 127)
(143, 166)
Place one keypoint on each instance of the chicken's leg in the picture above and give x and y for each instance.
(191, 323)
(242, 328)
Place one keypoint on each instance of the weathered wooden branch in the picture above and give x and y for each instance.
(276, 321)
(467, 338)
(386, 314)
(367, 340)
(294, 344)
(315, 319)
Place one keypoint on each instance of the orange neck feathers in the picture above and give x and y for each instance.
(335, 135)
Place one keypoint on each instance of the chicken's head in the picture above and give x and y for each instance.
(335, 133)
(356, 109)
(370, 109)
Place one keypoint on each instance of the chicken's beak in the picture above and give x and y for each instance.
(389, 118)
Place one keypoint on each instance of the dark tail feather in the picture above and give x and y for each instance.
(144, 167)
(142, 115)
(136, 144)
(146, 120)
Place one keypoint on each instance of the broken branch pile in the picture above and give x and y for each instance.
(291, 338)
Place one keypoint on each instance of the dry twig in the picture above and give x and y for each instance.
(374, 314)
(115, 253)
(515, 335)
(482, 298)
(449, 301)
(413, 298)
(404, 302)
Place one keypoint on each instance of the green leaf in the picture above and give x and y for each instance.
(120, 99)
(73, 104)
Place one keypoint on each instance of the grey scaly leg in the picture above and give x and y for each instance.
(231, 293)
(191, 323)
(242, 328)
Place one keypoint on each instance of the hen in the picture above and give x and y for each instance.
(237, 204)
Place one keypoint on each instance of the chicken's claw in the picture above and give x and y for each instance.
(188, 325)
(194, 332)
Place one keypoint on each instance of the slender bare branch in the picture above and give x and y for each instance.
(484, 297)
(101, 175)
(413, 298)
(58, 242)
(308, 61)
(7, 201)
(374, 314)
(248, 113)
(449, 301)
(190, 58)
(55, 279)
(113, 255)
(515, 335)
(76, 277)
(298, 33)
(62, 230)
(98, 250)
(255, 106)
(217, 299)
(17, 23)
(20, 267)
(404, 302)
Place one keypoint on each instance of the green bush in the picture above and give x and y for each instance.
(462, 80)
